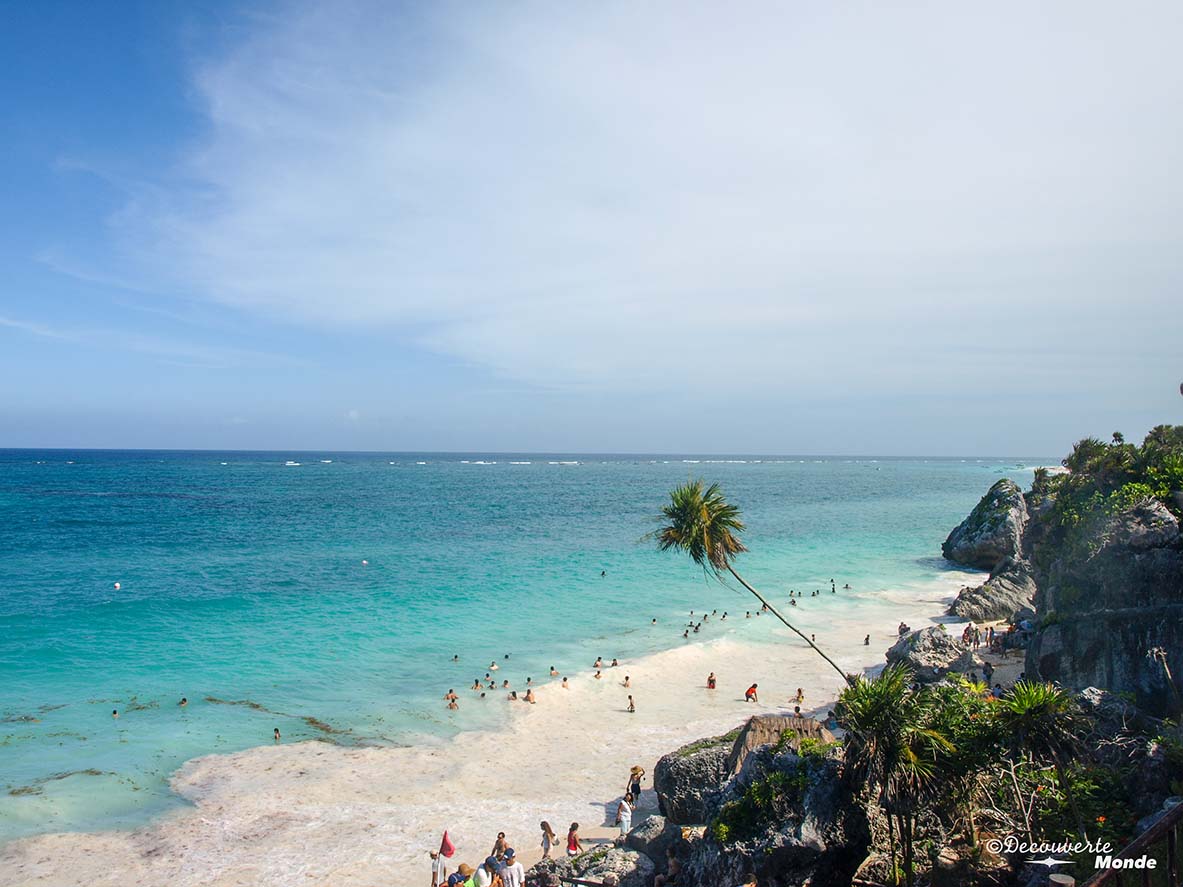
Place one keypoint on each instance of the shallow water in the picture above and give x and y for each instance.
(242, 581)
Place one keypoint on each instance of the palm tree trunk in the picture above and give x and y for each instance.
(775, 612)
(895, 872)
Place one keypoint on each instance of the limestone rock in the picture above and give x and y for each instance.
(654, 837)
(932, 653)
(683, 779)
(1009, 590)
(993, 530)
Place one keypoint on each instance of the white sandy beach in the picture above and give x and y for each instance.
(317, 814)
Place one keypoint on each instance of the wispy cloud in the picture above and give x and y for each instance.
(164, 350)
(678, 195)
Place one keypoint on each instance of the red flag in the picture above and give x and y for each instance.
(447, 848)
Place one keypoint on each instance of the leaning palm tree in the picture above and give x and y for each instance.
(704, 525)
(1044, 723)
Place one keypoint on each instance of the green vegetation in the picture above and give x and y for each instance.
(945, 761)
(773, 799)
(703, 524)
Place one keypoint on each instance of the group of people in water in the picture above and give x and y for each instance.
(489, 684)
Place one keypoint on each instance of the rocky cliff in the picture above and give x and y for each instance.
(1106, 588)
(1110, 608)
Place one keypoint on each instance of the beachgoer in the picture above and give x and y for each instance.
(513, 696)
(554, 672)
(549, 838)
(476, 684)
(615, 663)
(673, 868)
(624, 814)
(654, 622)
(453, 705)
(499, 846)
(456, 657)
(464, 873)
(800, 697)
(277, 734)
(748, 615)
(513, 875)
(565, 685)
(867, 641)
(796, 711)
(529, 682)
(686, 633)
(114, 712)
(631, 707)
(451, 695)
(183, 702)
(493, 666)
(439, 870)
(627, 682)
(599, 663)
(793, 602)
(598, 676)
(505, 684)
(635, 775)
(831, 721)
(711, 681)
(574, 848)
(530, 696)
(487, 872)
(750, 695)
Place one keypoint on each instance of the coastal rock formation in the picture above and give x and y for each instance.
(1010, 588)
(683, 779)
(1110, 601)
(789, 819)
(993, 530)
(625, 868)
(654, 837)
(773, 729)
(932, 653)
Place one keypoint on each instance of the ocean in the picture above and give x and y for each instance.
(325, 594)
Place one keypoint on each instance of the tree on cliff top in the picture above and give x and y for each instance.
(703, 524)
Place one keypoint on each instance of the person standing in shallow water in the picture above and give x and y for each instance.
(276, 734)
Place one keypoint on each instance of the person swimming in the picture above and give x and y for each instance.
(615, 663)
(599, 663)
(451, 696)
(554, 672)
(183, 702)
(476, 684)
(114, 712)
(493, 666)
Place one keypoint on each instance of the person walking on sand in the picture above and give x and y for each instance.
(631, 706)
(635, 775)
(574, 848)
(750, 695)
(499, 846)
(711, 681)
(549, 838)
(624, 815)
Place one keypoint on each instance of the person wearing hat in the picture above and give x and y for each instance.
(486, 873)
(465, 872)
(439, 871)
(513, 875)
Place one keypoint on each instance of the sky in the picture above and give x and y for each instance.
(894, 229)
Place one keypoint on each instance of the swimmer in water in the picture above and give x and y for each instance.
(599, 663)
(276, 733)
(686, 633)
(456, 658)
(493, 666)
(554, 672)
(615, 663)
(184, 701)
(451, 695)
(115, 713)
(453, 705)
(476, 684)
(505, 684)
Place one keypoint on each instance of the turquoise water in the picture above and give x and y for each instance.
(242, 580)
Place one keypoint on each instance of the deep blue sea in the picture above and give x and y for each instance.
(326, 593)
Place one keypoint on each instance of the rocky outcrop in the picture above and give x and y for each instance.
(685, 778)
(654, 837)
(1010, 588)
(1110, 604)
(622, 867)
(774, 730)
(993, 530)
(932, 653)
(813, 833)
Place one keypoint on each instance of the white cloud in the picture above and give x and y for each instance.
(613, 195)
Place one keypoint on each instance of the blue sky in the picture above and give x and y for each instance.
(931, 229)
